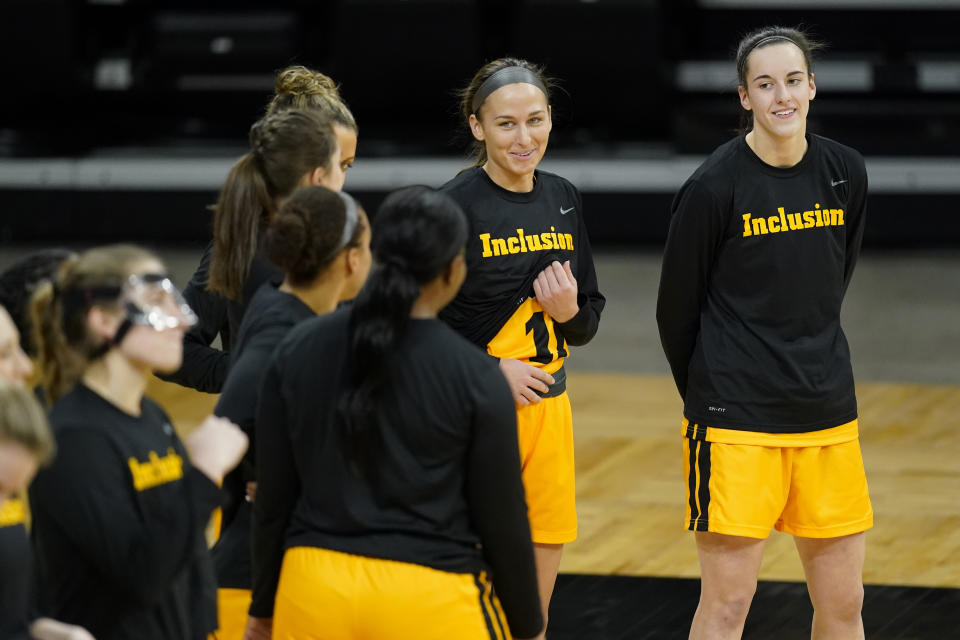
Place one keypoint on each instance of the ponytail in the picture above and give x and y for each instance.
(416, 235)
(284, 147)
(60, 366)
(240, 210)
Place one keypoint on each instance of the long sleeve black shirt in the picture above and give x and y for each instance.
(446, 493)
(755, 269)
(118, 525)
(205, 368)
(270, 316)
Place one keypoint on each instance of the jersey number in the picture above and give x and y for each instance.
(541, 338)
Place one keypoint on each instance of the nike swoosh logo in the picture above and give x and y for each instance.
(564, 212)
(834, 183)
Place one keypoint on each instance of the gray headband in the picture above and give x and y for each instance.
(507, 75)
(350, 224)
(759, 43)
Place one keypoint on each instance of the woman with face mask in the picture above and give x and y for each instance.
(119, 516)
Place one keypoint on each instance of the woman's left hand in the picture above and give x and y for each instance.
(556, 291)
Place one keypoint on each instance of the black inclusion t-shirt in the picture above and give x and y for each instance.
(118, 525)
(756, 265)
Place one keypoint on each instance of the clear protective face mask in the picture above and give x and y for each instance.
(151, 299)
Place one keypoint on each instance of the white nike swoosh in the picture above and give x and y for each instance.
(834, 183)
(564, 212)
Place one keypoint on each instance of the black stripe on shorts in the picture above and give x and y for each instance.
(481, 587)
(703, 466)
(692, 484)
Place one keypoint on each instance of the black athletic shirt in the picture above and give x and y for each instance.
(205, 368)
(447, 492)
(270, 316)
(756, 266)
(513, 237)
(15, 570)
(118, 525)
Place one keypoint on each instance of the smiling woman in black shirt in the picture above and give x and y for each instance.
(119, 516)
(389, 477)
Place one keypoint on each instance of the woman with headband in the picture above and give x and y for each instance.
(762, 245)
(320, 239)
(119, 515)
(531, 289)
(289, 149)
(376, 515)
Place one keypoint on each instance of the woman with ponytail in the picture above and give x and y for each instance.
(376, 513)
(320, 239)
(119, 516)
(288, 150)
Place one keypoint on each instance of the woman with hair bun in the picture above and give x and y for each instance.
(376, 514)
(763, 241)
(119, 515)
(289, 149)
(301, 88)
(320, 239)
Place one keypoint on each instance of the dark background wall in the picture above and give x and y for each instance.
(644, 82)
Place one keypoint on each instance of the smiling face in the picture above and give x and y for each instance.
(514, 125)
(778, 90)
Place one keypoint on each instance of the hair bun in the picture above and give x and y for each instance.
(301, 81)
(286, 238)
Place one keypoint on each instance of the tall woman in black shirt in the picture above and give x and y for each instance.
(320, 239)
(762, 245)
(389, 479)
(531, 288)
(119, 516)
(288, 150)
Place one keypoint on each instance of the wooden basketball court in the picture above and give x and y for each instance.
(630, 491)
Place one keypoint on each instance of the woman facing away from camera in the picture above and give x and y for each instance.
(377, 514)
(320, 240)
(762, 245)
(531, 289)
(119, 515)
(288, 150)
(217, 307)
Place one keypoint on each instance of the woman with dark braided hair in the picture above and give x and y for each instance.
(762, 245)
(376, 513)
